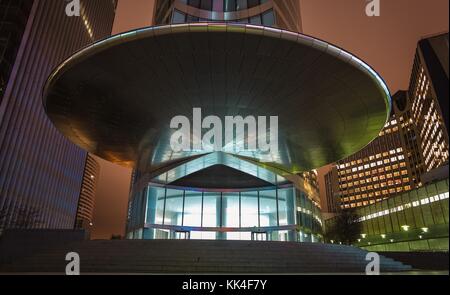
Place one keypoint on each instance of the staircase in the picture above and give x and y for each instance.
(189, 256)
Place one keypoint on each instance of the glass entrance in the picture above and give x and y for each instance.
(182, 235)
(259, 236)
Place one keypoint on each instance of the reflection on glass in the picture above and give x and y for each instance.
(203, 235)
(286, 206)
(230, 209)
(239, 236)
(249, 209)
(174, 207)
(153, 195)
(268, 208)
(211, 210)
(160, 199)
(193, 209)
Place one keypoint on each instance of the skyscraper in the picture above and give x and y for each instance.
(13, 19)
(413, 142)
(40, 171)
(86, 202)
(283, 14)
(429, 100)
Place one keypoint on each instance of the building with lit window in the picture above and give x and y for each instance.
(40, 170)
(86, 203)
(376, 172)
(429, 100)
(413, 142)
(411, 221)
(117, 99)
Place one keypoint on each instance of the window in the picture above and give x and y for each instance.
(268, 208)
(206, 5)
(211, 207)
(268, 18)
(178, 17)
(230, 209)
(241, 4)
(229, 5)
(249, 209)
(174, 207)
(256, 20)
(193, 209)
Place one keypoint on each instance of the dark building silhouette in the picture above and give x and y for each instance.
(40, 170)
(86, 203)
(13, 19)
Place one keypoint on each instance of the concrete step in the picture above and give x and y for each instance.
(170, 256)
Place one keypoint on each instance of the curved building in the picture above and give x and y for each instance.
(293, 103)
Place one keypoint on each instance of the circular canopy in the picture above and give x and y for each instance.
(116, 98)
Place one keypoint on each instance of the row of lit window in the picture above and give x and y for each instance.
(403, 207)
(371, 198)
(86, 22)
(375, 179)
(376, 186)
(370, 158)
(385, 168)
(388, 131)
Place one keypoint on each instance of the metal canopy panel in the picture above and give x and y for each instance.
(116, 98)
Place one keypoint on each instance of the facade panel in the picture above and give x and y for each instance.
(40, 170)
(284, 14)
(86, 202)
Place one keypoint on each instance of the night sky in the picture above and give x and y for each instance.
(387, 43)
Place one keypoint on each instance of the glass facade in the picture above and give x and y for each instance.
(235, 215)
(257, 12)
(265, 19)
(412, 221)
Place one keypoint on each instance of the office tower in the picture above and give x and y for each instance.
(429, 100)
(413, 142)
(376, 172)
(86, 202)
(13, 19)
(40, 171)
(283, 14)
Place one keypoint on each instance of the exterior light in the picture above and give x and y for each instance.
(370, 243)
(359, 240)
(421, 237)
(91, 224)
(424, 229)
(383, 236)
(405, 227)
(332, 241)
(92, 177)
(363, 236)
(391, 240)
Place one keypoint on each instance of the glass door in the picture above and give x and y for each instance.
(259, 237)
(182, 235)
